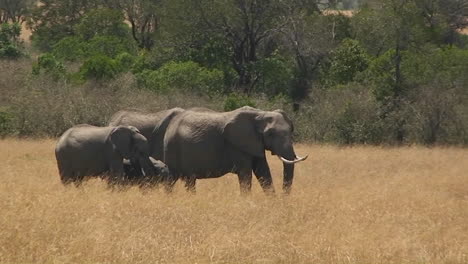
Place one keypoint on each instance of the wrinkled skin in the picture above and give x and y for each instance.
(86, 150)
(134, 175)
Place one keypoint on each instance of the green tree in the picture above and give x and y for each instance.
(102, 22)
(244, 26)
(346, 61)
(309, 36)
(144, 18)
(52, 20)
(15, 11)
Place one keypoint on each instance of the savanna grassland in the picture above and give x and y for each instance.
(348, 205)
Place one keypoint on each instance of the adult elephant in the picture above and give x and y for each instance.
(86, 150)
(208, 144)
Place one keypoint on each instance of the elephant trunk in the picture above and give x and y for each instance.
(289, 158)
(288, 154)
(288, 174)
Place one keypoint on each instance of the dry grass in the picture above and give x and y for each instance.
(349, 205)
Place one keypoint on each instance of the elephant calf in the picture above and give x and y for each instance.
(134, 175)
(86, 150)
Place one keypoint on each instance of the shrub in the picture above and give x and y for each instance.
(6, 123)
(99, 67)
(10, 46)
(49, 65)
(234, 101)
(109, 46)
(70, 49)
(125, 61)
(186, 76)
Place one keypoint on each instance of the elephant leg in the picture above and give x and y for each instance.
(66, 178)
(116, 173)
(263, 174)
(78, 178)
(245, 180)
(169, 182)
(190, 182)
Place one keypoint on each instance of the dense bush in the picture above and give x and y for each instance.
(70, 49)
(49, 65)
(6, 123)
(100, 67)
(185, 76)
(234, 101)
(10, 45)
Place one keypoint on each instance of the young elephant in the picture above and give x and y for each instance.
(134, 175)
(86, 150)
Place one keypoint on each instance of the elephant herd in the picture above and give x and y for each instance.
(198, 143)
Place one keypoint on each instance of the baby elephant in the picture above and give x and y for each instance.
(134, 175)
(86, 150)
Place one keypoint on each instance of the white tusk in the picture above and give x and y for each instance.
(298, 159)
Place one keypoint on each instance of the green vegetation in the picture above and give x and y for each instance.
(10, 45)
(393, 72)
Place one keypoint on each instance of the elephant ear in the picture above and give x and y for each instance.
(285, 116)
(121, 138)
(243, 132)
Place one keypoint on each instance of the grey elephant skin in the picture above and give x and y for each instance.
(207, 144)
(86, 150)
(134, 175)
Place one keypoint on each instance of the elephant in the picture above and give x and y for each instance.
(146, 124)
(86, 150)
(134, 175)
(207, 144)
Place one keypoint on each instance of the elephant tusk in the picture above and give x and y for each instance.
(297, 159)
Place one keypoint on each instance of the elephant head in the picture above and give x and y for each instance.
(254, 131)
(132, 145)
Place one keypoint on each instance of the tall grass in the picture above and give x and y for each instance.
(348, 205)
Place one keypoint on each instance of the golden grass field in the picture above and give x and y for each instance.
(348, 205)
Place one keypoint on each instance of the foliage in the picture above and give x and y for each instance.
(380, 74)
(102, 22)
(234, 101)
(444, 65)
(52, 20)
(346, 61)
(70, 49)
(100, 67)
(275, 75)
(125, 61)
(6, 123)
(49, 65)
(398, 67)
(10, 46)
(187, 76)
(109, 46)
(15, 11)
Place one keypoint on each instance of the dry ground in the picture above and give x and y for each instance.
(349, 205)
